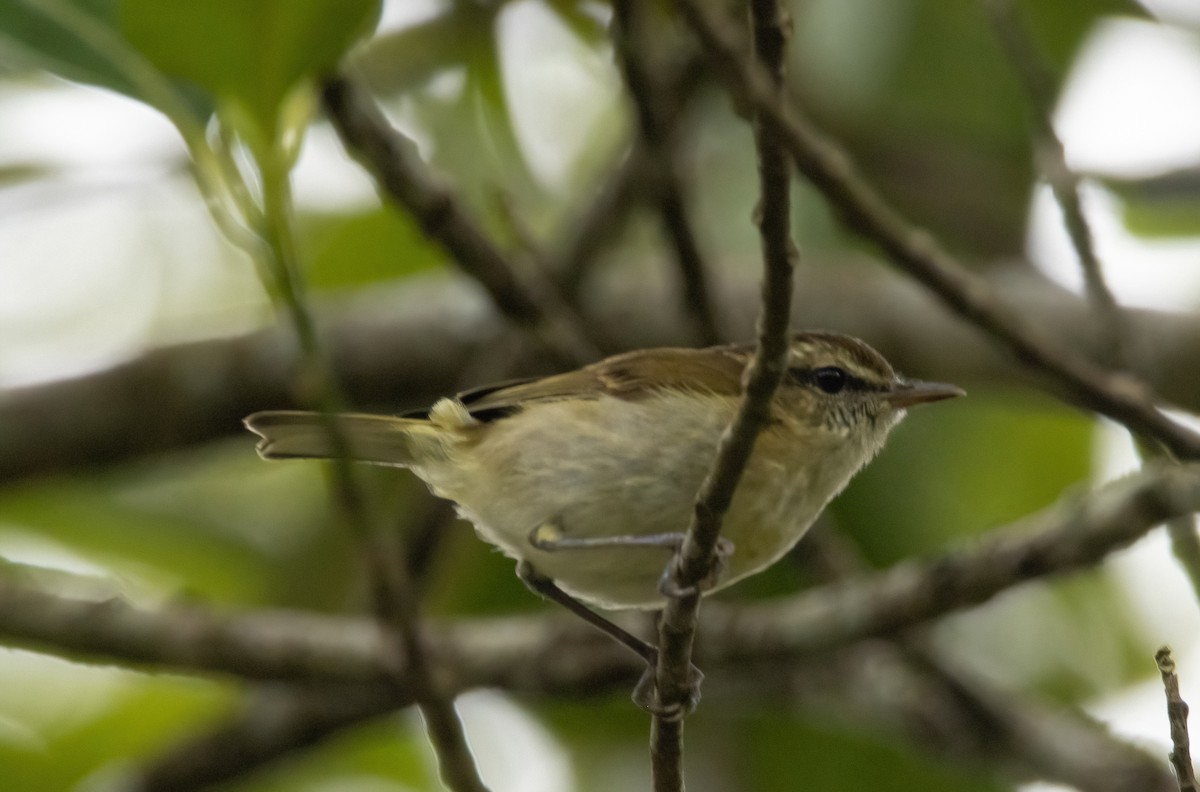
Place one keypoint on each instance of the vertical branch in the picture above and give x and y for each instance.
(658, 134)
(390, 585)
(673, 675)
(1177, 714)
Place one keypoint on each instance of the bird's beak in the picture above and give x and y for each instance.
(917, 392)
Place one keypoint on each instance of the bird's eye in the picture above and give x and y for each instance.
(830, 379)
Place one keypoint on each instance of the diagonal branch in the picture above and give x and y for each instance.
(392, 160)
(1035, 79)
(1073, 534)
(565, 658)
(827, 166)
(659, 137)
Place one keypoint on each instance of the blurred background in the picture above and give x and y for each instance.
(112, 265)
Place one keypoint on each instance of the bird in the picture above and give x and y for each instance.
(589, 476)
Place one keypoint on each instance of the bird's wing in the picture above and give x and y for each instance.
(632, 376)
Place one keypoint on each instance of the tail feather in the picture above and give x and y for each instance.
(381, 439)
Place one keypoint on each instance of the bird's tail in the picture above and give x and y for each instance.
(381, 439)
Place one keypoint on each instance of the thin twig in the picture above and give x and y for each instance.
(1037, 83)
(600, 223)
(392, 592)
(1177, 714)
(406, 344)
(692, 564)
(827, 166)
(659, 135)
(527, 299)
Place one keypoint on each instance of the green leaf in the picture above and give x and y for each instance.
(248, 54)
(1162, 206)
(33, 36)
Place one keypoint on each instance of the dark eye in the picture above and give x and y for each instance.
(830, 379)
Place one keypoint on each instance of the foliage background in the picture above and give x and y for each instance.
(106, 258)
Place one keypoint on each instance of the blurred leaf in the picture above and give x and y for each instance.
(138, 715)
(251, 54)
(380, 244)
(1162, 206)
(32, 34)
(78, 40)
(400, 61)
(223, 527)
(960, 468)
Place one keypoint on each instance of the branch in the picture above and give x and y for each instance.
(1035, 79)
(566, 658)
(399, 173)
(1064, 183)
(661, 159)
(1177, 714)
(1070, 535)
(392, 593)
(693, 562)
(559, 656)
(827, 166)
(406, 345)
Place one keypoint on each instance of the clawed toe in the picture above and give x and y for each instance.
(669, 588)
(645, 695)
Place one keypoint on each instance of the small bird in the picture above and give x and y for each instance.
(588, 478)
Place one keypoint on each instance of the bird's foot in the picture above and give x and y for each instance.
(646, 695)
(669, 588)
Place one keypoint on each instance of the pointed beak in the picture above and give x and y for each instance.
(918, 392)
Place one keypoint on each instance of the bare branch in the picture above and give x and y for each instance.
(1064, 182)
(1177, 714)
(827, 166)
(677, 628)
(406, 345)
(393, 161)
(1070, 535)
(1033, 74)
(659, 136)
(296, 647)
(392, 593)
(564, 657)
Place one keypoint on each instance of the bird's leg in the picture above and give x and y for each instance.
(543, 586)
(549, 538)
(645, 693)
